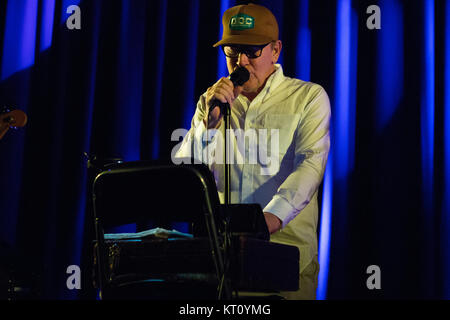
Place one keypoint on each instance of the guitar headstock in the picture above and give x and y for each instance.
(11, 119)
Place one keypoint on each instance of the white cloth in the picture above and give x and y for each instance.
(287, 132)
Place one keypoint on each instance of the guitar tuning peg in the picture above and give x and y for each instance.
(5, 110)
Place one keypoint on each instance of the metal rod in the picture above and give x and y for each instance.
(227, 160)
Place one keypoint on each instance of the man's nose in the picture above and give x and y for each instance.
(242, 60)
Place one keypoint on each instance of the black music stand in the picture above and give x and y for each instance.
(134, 192)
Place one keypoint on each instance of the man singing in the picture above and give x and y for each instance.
(287, 122)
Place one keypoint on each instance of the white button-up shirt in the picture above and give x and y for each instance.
(279, 145)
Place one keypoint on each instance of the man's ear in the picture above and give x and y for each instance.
(276, 51)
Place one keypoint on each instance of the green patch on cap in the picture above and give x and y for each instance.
(241, 22)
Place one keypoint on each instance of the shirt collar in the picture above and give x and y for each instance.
(274, 80)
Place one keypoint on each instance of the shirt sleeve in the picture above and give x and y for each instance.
(312, 144)
(198, 141)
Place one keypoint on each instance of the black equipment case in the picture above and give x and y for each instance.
(255, 265)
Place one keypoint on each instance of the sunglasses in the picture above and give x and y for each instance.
(251, 51)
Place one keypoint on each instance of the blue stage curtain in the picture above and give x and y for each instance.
(118, 87)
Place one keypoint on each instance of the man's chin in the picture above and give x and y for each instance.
(249, 88)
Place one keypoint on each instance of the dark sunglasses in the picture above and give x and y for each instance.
(251, 51)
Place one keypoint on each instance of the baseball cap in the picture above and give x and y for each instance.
(250, 24)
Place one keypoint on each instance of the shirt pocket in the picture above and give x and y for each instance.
(281, 127)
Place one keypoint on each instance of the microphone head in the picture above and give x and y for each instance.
(240, 76)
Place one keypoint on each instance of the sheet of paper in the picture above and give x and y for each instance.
(156, 233)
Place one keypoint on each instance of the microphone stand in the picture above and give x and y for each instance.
(227, 200)
(224, 290)
(225, 110)
(238, 77)
(227, 113)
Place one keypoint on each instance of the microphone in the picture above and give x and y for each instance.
(238, 77)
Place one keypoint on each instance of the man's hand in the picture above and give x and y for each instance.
(273, 222)
(224, 91)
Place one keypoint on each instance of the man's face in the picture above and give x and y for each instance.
(260, 68)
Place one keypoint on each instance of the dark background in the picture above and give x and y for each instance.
(122, 84)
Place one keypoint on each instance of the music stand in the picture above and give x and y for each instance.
(128, 192)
